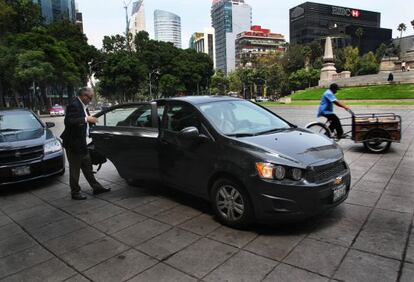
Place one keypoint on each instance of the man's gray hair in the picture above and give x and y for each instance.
(84, 90)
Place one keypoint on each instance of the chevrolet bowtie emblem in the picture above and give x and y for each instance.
(17, 154)
(338, 181)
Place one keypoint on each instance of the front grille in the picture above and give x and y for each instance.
(20, 155)
(326, 172)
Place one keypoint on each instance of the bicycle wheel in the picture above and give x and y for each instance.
(377, 141)
(319, 128)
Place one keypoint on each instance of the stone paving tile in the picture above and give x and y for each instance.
(9, 230)
(92, 216)
(287, 273)
(140, 232)
(77, 278)
(49, 271)
(363, 198)
(384, 234)
(90, 255)
(274, 246)
(119, 222)
(22, 260)
(201, 225)
(14, 204)
(168, 243)
(232, 236)
(57, 229)
(135, 200)
(369, 186)
(35, 211)
(73, 240)
(243, 266)
(177, 215)
(399, 190)
(395, 203)
(341, 226)
(121, 267)
(4, 220)
(33, 223)
(50, 194)
(85, 206)
(162, 273)
(197, 259)
(410, 249)
(16, 243)
(156, 207)
(407, 273)
(316, 256)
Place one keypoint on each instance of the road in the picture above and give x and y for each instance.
(156, 234)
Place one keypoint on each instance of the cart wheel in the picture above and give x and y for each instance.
(375, 141)
(319, 128)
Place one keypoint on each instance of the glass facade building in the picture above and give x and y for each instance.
(167, 27)
(204, 42)
(229, 18)
(313, 21)
(137, 23)
(54, 10)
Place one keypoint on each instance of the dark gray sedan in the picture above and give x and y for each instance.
(250, 163)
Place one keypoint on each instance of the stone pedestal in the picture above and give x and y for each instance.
(388, 64)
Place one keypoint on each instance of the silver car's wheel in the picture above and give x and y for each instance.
(230, 203)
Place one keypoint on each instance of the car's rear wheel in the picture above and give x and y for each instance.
(232, 204)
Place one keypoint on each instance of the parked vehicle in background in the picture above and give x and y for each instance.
(57, 110)
(28, 148)
(261, 99)
(106, 106)
(251, 164)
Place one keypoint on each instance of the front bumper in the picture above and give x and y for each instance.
(47, 166)
(277, 203)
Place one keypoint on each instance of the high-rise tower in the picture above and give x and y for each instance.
(229, 18)
(137, 23)
(167, 27)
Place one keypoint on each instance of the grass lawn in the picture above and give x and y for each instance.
(390, 103)
(380, 92)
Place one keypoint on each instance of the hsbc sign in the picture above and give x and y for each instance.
(345, 12)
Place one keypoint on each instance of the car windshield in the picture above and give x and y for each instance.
(18, 121)
(242, 118)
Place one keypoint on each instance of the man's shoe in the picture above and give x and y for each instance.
(78, 197)
(101, 190)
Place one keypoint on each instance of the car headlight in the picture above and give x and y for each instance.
(278, 172)
(52, 147)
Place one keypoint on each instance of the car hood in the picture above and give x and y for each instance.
(302, 147)
(26, 138)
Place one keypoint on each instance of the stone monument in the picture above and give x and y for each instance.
(328, 71)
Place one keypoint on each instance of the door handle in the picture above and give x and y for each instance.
(107, 136)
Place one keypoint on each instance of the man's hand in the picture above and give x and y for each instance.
(91, 119)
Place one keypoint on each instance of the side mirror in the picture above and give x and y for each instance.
(50, 124)
(190, 133)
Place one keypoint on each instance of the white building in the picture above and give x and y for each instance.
(204, 42)
(137, 22)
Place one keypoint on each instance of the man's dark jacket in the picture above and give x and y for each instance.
(74, 135)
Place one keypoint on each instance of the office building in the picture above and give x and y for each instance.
(229, 18)
(204, 42)
(313, 21)
(137, 22)
(167, 27)
(257, 42)
(55, 10)
(79, 18)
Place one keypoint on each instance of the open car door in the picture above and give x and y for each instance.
(127, 135)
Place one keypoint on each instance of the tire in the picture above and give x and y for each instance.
(376, 144)
(319, 128)
(231, 204)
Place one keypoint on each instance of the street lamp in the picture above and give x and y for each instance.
(157, 72)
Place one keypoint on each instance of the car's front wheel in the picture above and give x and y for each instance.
(232, 204)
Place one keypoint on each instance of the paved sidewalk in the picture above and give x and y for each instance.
(156, 234)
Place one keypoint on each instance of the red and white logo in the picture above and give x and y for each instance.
(355, 13)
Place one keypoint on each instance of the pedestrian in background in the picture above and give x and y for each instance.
(77, 124)
(403, 64)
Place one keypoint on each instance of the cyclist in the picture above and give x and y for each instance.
(326, 109)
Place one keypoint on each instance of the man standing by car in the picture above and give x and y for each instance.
(326, 109)
(77, 122)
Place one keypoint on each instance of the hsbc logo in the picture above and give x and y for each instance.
(345, 12)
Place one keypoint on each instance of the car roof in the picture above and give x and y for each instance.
(197, 100)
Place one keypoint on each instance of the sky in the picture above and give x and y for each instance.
(107, 17)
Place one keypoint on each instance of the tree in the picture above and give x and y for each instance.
(293, 59)
(380, 52)
(18, 16)
(359, 33)
(235, 83)
(307, 52)
(401, 28)
(304, 78)
(170, 85)
(219, 83)
(368, 64)
(351, 56)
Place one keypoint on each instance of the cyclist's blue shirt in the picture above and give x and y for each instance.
(326, 106)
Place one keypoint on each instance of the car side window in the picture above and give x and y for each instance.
(135, 116)
(180, 116)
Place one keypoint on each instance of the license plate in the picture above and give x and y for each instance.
(339, 192)
(21, 171)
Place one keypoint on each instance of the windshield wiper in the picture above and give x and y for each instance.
(10, 130)
(271, 131)
(237, 135)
